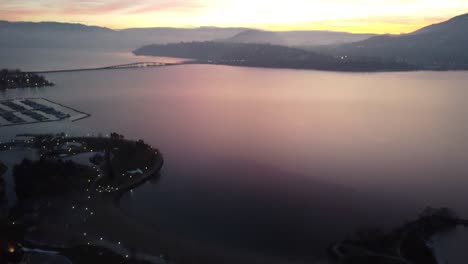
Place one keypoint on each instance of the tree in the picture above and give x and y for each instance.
(443, 212)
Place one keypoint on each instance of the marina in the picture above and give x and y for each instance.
(21, 111)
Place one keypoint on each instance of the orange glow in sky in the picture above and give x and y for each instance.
(371, 16)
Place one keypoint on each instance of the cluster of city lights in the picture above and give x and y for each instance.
(59, 146)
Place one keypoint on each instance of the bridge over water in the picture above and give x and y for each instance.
(138, 65)
(135, 65)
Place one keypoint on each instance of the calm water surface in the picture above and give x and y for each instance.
(41, 59)
(279, 162)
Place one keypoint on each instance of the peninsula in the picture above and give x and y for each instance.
(408, 244)
(67, 191)
(269, 56)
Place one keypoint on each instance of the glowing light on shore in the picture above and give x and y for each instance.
(11, 249)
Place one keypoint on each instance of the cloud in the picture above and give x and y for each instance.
(80, 7)
(95, 7)
(77, 7)
(19, 14)
(170, 5)
(377, 24)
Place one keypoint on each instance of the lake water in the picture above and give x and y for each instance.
(40, 59)
(273, 162)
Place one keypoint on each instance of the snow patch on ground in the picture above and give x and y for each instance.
(450, 247)
(83, 158)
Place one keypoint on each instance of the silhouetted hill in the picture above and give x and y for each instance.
(265, 55)
(50, 26)
(441, 46)
(316, 38)
(454, 25)
(54, 35)
(66, 35)
(257, 36)
(296, 38)
(169, 35)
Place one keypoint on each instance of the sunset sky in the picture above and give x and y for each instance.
(370, 16)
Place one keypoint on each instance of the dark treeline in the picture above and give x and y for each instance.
(17, 79)
(45, 178)
(269, 56)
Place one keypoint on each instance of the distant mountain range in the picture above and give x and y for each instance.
(66, 35)
(440, 46)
